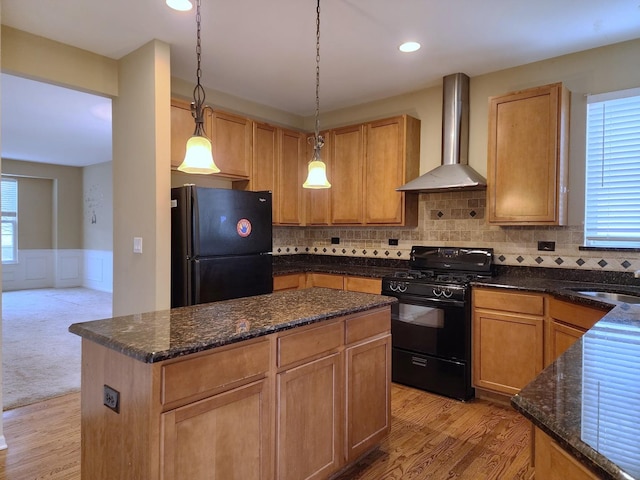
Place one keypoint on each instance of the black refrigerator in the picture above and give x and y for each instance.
(220, 244)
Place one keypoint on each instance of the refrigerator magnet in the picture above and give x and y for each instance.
(243, 227)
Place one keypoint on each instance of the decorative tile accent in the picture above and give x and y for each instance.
(520, 259)
(539, 260)
(559, 261)
(472, 213)
(602, 263)
(625, 264)
(580, 262)
(502, 258)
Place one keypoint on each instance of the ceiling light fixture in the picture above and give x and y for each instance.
(198, 158)
(317, 177)
(180, 5)
(408, 47)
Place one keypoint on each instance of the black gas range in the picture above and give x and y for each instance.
(431, 323)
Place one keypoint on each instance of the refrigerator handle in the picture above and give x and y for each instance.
(194, 278)
(194, 241)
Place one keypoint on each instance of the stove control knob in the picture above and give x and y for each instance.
(437, 292)
(393, 286)
(447, 293)
(402, 287)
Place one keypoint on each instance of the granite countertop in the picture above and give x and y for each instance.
(161, 335)
(588, 400)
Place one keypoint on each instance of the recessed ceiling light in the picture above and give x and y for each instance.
(409, 47)
(181, 5)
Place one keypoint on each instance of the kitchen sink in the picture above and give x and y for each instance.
(615, 297)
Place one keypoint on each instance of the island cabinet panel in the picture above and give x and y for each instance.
(309, 343)
(368, 414)
(347, 162)
(222, 437)
(508, 348)
(553, 463)
(309, 420)
(528, 157)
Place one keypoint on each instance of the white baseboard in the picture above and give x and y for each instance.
(59, 269)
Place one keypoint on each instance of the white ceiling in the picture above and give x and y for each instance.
(265, 50)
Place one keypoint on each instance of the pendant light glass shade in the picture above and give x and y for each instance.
(180, 5)
(317, 177)
(198, 158)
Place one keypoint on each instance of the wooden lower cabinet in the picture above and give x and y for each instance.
(508, 347)
(309, 422)
(363, 284)
(326, 280)
(553, 463)
(368, 379)
(225, 436)
(567, 323)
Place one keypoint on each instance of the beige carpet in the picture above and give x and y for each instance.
(40, 358)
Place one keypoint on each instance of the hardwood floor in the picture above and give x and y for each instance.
(431, 438)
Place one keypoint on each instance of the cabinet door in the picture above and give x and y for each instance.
(225, 436)
(368, 387)
(318, 206)
(553, 463)
(265, 161)
(347, 161)
(231, 143)
(384, 167)
(290, 178)
(507, 350)
(309, 421)
(561, 337)
(527, 152)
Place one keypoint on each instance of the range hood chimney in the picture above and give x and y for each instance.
(454, 173)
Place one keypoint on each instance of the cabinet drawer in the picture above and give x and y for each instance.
(530, 303)
(290, 281)
(194, 376)
(309, 343)
(363, 284)
(367, 325)
(575, 315)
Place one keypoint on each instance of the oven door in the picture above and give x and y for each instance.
(441, 328)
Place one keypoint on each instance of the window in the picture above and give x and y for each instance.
(9, 200)
(612, 203)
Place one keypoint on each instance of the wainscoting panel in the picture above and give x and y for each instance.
(69, 269)
(98, 270)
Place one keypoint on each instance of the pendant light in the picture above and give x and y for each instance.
(317, 176)
(198, 158)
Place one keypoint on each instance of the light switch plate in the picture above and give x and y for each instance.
(137, 244)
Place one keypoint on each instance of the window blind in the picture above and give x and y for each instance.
(9, 206)
(612, 191)
(611, 393)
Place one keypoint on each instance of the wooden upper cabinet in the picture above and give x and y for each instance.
(231, 138)
(265, 162)
(528, 157)
(347, 162)
(291, 169)
(392, 158)
(318, 200)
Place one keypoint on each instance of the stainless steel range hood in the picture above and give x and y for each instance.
(454, 173)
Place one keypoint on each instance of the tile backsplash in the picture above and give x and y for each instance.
(457, 219)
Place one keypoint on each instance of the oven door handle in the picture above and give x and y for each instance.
(428, 301)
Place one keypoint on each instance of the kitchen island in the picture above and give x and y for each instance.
(289, 385)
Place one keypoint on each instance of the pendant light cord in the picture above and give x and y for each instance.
(318, 141)
(197, 107)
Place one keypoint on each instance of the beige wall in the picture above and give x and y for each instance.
(97, 207)
(141, 179)
(65, 203)
(35, 213)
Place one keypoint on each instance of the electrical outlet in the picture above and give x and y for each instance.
(335, 240)
(547, 246)
(111, 399)
(393, 242)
